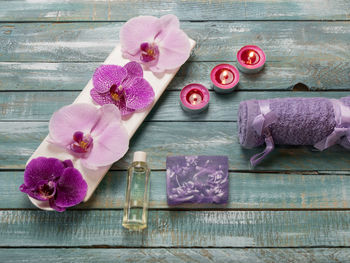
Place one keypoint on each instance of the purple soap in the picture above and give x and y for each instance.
(197, 179)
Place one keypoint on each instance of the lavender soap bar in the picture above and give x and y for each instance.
(197, 179)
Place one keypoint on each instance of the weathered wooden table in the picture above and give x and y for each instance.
(295, 207)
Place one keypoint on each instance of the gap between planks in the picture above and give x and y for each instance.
(182, 20)
(277, 172)
(165, 247)
(194, 209)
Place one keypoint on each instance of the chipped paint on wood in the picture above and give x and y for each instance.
(116, 10)
(177, 138)
(246, 191)
(317, 75)
(39, 106)
(177, 229)
(292, 42)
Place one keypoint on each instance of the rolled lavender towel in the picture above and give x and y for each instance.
(320, 122)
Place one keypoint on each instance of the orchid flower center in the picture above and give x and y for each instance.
(47, 190)
(81, 143)
(116, 92)
(149, 52)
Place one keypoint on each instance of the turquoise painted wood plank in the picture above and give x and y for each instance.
(170, 255)
(39, 106)
(204, 10)
(297, 43)
(19, 140)
(317, 75)
(177, 229)
(246, 191)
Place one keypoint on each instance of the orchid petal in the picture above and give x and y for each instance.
(109, 147)
(109, 115)
(134, 70)
(68, 163)
(40, 169)
(174, 50)
(106, 76)
(139, 95)
(136, 31)
(53, 205)
(69, 119)
(124, 110)
(101, 98)
(71, 188)
(32, 192)
(167, 23)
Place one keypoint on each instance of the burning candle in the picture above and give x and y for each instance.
(194, 98)
(225, 78)
(251, 59)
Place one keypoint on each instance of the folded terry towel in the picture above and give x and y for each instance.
(320, 122)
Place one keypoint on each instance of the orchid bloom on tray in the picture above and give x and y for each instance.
(59, 183)
(124, 87)
(95, 135)
(157, 43)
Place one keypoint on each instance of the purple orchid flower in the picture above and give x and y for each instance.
(96, 136)
(157, 43)
(123, 86)
(49, 179)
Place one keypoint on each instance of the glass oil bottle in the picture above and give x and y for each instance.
(137, 194)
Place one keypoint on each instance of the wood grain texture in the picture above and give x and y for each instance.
(292, 42)
(39, 106)
(179, 138)
(48, 52)
(204, 10)
(176, 229)
(246, 191)
(317, 75)
(171, 255)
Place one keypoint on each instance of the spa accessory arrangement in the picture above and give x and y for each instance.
(88, 136)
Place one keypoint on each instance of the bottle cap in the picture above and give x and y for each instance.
(140, 157)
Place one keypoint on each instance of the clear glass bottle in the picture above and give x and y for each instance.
(137, 193)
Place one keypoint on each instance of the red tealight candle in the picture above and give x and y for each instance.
(225, 77)
(251, 59)
(194, 98)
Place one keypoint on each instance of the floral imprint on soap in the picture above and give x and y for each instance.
(197, 179)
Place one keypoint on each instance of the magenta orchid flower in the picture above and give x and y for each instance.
(59, 183)
(157, 43)
(96, 136)
(124, 87)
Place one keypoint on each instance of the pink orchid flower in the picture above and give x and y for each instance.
(96, 136)
(157, 43)
(124, 87)
(55, 181)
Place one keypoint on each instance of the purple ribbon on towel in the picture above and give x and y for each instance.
(342, 118)
(261, 125)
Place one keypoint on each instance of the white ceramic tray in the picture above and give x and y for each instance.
(94, 177)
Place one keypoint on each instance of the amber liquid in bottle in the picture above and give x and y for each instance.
(137, 194)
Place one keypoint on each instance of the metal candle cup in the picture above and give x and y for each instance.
(194, 98)
(225, 78)
(251, 59)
